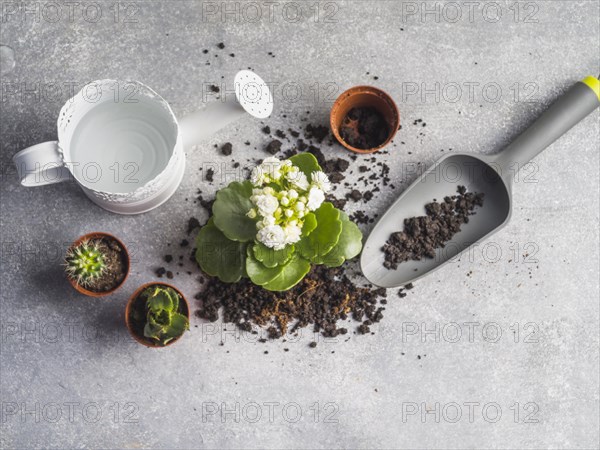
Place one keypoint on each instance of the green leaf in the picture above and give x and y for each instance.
(175, 297)
(306, 162)
(270, 257)
(349, 245)
(291, 274)
(310, 223)
(230, 209)
(218, 256)
(258, 273)
(152, 329)
(162, 318)
(179, 323)
(160, 300)
(320, 242)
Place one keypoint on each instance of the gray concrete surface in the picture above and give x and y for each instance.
(72, 377)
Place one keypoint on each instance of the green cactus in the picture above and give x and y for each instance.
(85, 263)
(163, 323)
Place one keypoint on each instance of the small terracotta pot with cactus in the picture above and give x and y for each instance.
(97, 264)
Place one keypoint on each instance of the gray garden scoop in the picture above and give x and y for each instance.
(492, 175)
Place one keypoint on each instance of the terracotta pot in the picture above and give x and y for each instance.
(100, 235)
(362, 96)
(141, 339)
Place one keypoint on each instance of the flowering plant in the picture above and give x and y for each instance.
(274, 226)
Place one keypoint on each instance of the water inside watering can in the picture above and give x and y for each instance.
(118, 147)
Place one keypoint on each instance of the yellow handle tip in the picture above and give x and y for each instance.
(594, 84)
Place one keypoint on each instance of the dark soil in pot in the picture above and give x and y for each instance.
(364, 128)
(116, 266)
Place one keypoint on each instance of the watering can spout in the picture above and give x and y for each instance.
(251, 96)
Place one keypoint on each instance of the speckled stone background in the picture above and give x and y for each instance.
(496, 350)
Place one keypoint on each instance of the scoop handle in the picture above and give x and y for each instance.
(579, 101)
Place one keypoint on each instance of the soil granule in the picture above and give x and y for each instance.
(355, 195)
(193, 224)
(227, 149)
(424, 234)
(274, 147)
(364, 128)
(321, 299)
(116, 266)
(210, 174)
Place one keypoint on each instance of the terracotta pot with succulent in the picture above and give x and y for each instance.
(97, 264)
(157, 315)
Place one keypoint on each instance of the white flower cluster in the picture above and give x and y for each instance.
(282, 196)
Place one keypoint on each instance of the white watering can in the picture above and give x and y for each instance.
(122, 144)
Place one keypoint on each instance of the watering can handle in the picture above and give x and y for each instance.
(579, 101)
(41, 164)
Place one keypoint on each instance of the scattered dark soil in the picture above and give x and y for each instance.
(424, 234)
(227, 148)
(210, 173)
(214, 88)
(332, 167)
(323, 298)
(266, 129)
(206, 204)
(364, 128)
(220, 45)
(117, 267)
(360, 217)
(317, 153)
(317, 132)
(274, 147)
(193, 224)
(336, 177)
(138, 313)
